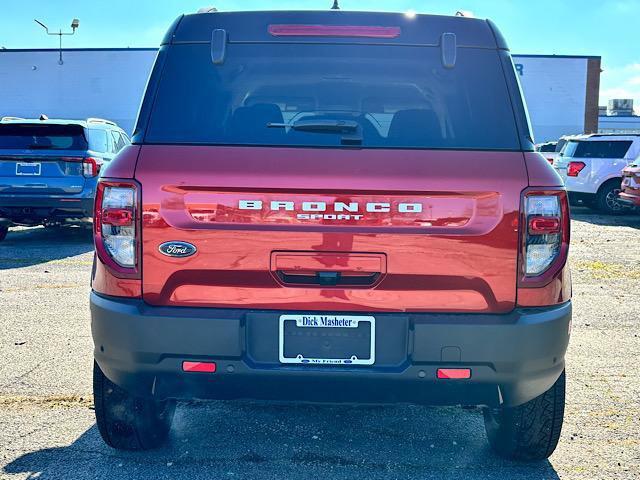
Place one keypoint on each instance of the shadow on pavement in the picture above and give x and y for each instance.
(583, 214)
(24, 247)
(245, 440)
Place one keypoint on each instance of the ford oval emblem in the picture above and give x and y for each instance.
(177, 249)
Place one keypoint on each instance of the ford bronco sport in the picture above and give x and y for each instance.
(332, 207)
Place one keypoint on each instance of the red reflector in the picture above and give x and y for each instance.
(454, 373)
(203, 367)
(118, 217)
(544, 225)
(333, 31)
(574, 168)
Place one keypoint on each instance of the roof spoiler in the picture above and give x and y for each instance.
(100, 120)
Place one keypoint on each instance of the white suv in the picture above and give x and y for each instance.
(591, 167)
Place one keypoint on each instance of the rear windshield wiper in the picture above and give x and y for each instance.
(39, 147)
(348, 128)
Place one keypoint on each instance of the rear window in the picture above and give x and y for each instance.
(597, 149)
(295, 95)
(43, 137)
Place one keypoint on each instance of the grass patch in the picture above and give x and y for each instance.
(603, 270)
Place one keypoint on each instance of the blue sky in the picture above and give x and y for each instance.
(576, 27)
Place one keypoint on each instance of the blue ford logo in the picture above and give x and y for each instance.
(177, 249)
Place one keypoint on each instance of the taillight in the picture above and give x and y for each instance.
(550, 160)
(574, 168)
(116, 226)
(545, 242)
(91, 166)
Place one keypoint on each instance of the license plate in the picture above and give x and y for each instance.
(23, 168)
(327, 339)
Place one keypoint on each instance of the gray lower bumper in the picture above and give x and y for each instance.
(514, 357)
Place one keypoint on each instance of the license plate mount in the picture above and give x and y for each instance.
(327, 339)
(28, 168)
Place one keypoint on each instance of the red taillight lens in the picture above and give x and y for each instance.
(333, 31)
(574, 168)
(550, 160)
(545, 241)
(91, 166)
(115, 226)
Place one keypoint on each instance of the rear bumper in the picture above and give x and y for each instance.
(630, 197)
(514, 357)
(24, 208)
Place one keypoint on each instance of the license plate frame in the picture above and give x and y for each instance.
(29, 169)
(326, 321)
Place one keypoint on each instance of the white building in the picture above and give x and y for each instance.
(561, 91)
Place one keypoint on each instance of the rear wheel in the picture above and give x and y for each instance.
(126, 422)
(3, 232)
(607, 200)
(530, 431)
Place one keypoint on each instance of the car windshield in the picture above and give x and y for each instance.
(42, 137)
(597, 149)
(397, 96)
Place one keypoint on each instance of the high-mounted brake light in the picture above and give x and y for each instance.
(574, 168)
(115, 226)
(333, 31)
(545, 237)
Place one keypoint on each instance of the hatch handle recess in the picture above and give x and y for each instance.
(218, 46)
(448, 47)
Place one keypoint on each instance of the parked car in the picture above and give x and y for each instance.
(591, 167)
(49, 168)
(548, 149)
(332, 207)
(630, 193)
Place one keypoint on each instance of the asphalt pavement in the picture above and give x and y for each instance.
(47, 427)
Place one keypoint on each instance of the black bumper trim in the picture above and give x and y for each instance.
(514, 357)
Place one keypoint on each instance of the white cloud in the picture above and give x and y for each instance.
(621, 82)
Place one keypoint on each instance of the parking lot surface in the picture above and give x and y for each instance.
(47, 428)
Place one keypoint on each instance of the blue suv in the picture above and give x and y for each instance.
(49, 168)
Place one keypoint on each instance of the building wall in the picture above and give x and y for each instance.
(555, 88)
(90, 83)
(619, 124)
(109, 83)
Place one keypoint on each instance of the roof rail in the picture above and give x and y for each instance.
(11, 118)
(100, 120)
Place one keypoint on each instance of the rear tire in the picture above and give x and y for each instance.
(531, 431)
(3, 232)
(607, 198)
(126, 422)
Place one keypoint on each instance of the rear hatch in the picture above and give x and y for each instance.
(41, 159)
(336, 176)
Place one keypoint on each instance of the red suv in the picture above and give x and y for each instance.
(332, 207)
